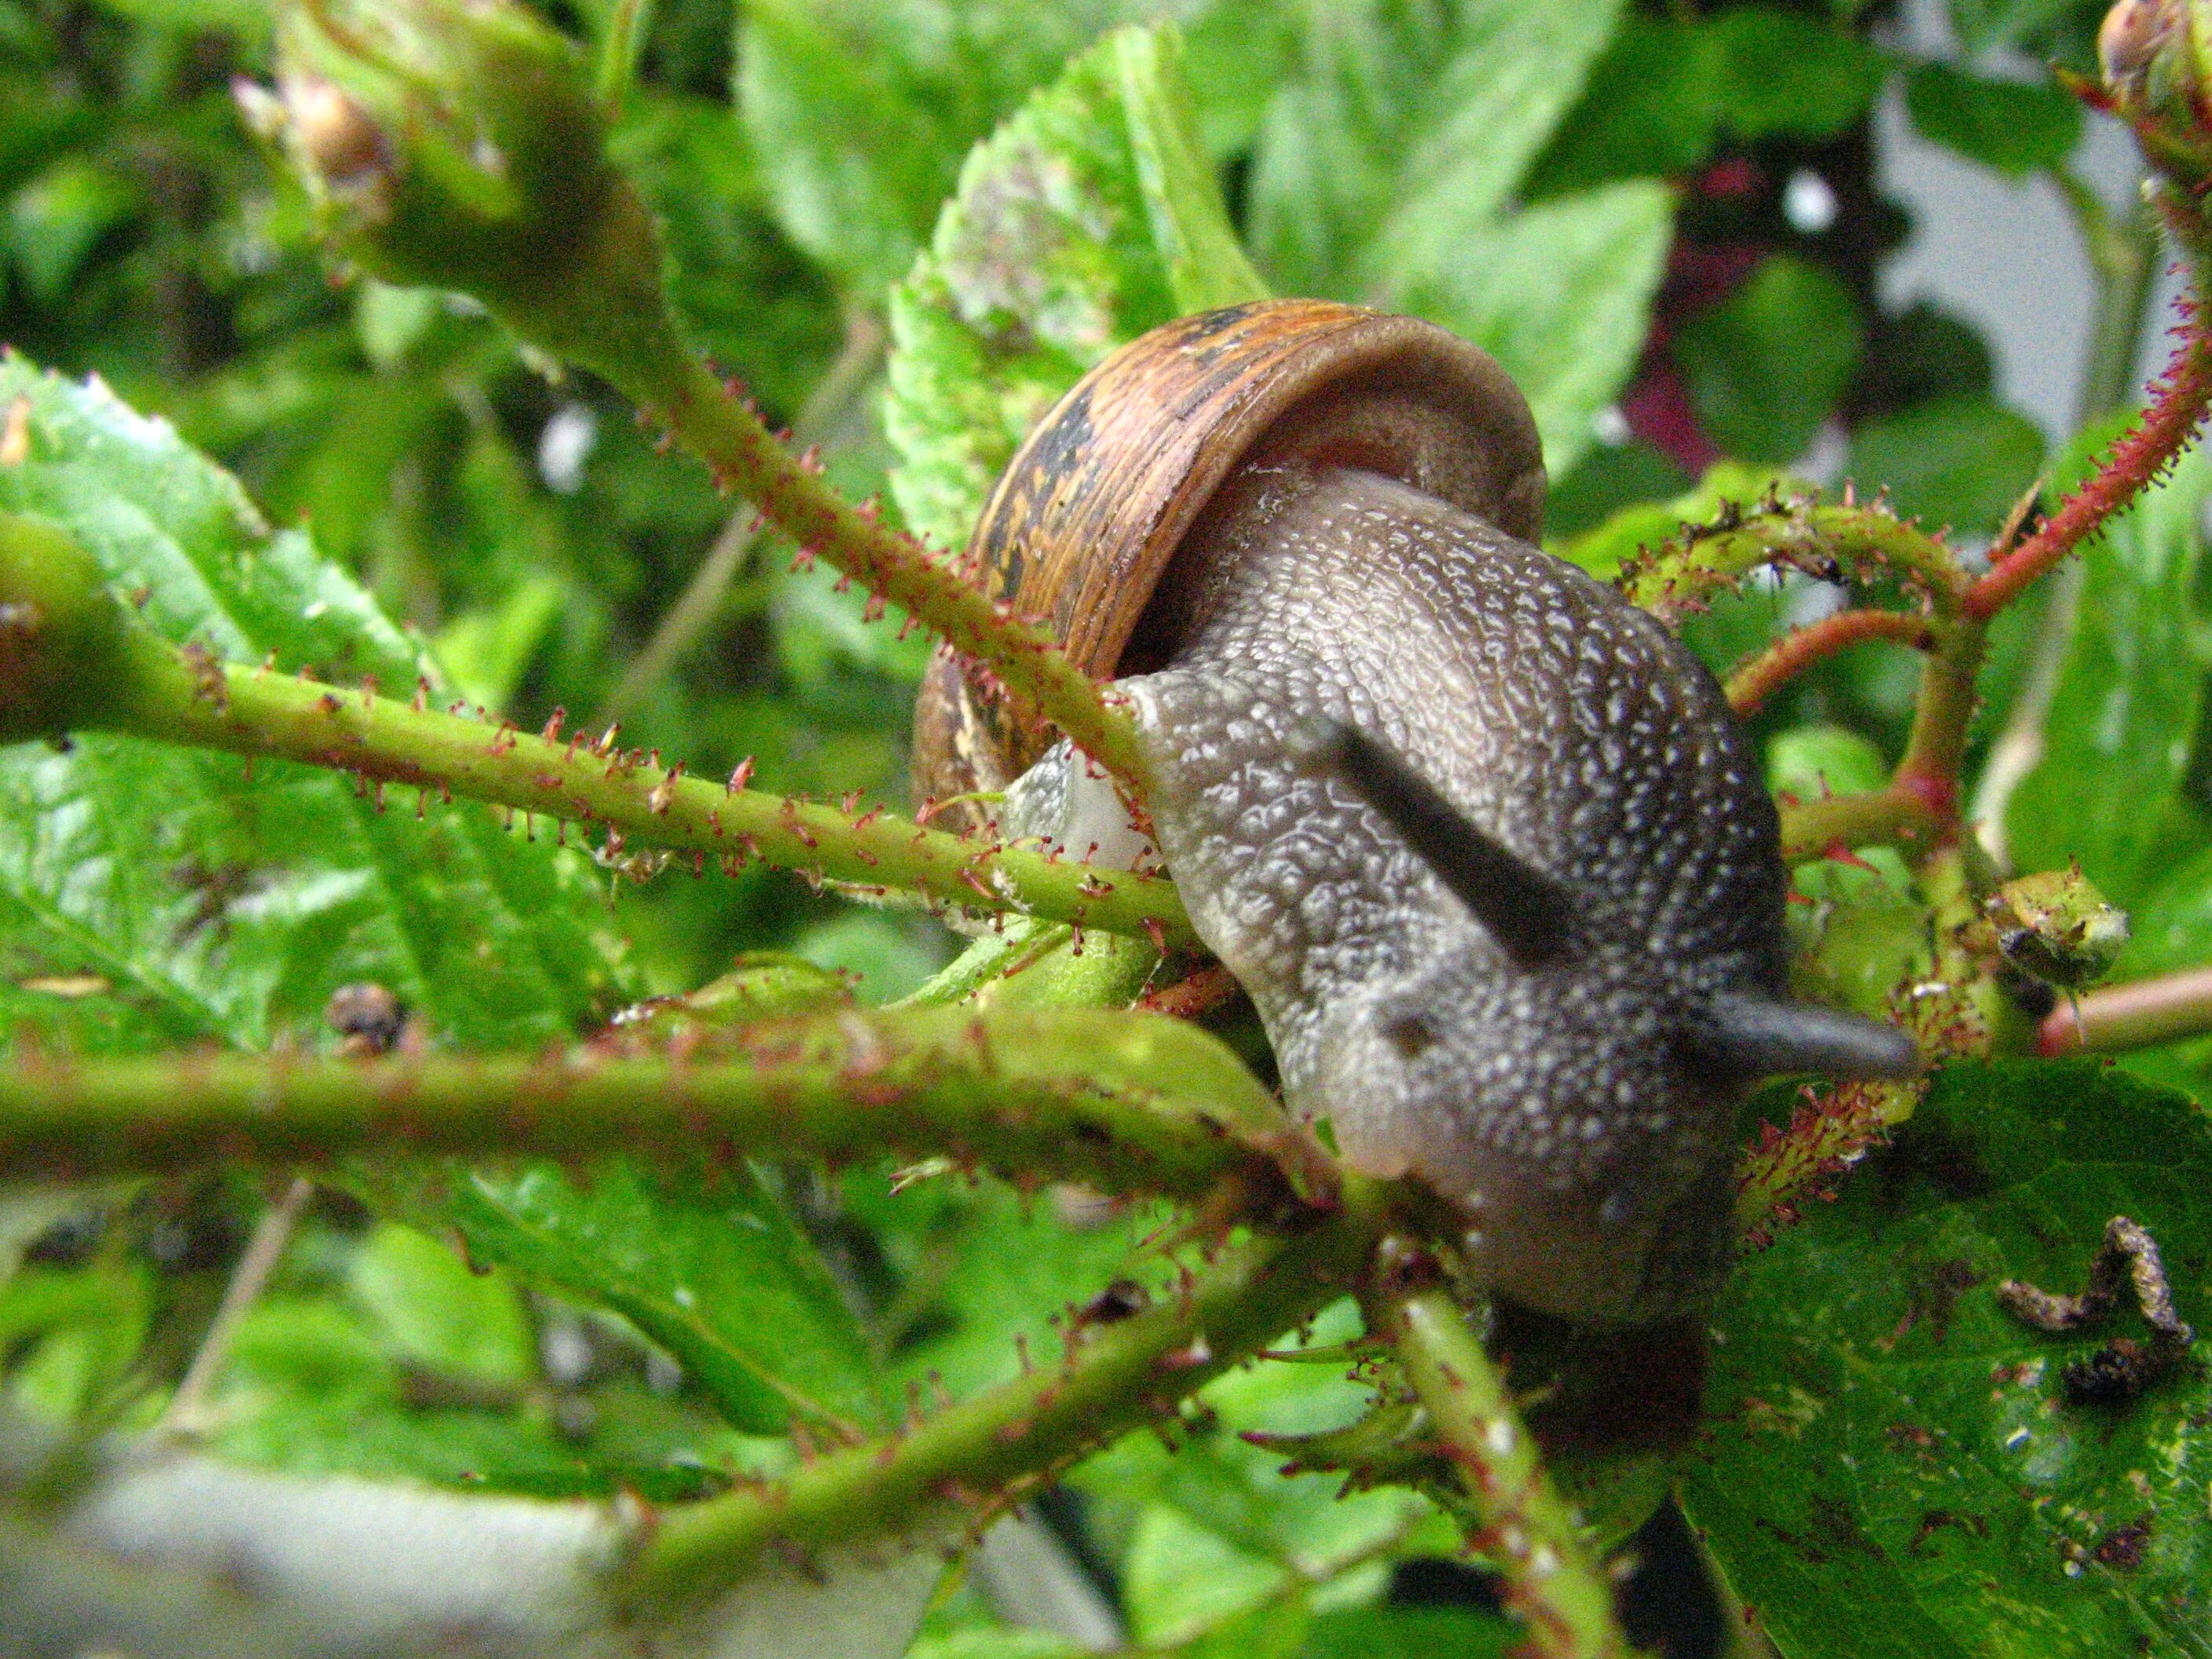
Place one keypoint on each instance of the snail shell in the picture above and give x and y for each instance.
(1516, 928)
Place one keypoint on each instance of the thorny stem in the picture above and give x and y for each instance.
(1553, 1583)
(253, 711)
(1831, 1128)
(1827, 542)
(1023, 654)
(1754, 682)
(2178, 405)
(991, 1450)
(1122, 1103)
(1843, 823)
(694, 608)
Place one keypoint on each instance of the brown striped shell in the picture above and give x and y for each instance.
(1084, 526)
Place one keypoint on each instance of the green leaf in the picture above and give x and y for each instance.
(1790, 75)
(2116, 744)
(55, 221)
(1086, 219)
(183, 901)
(1961, 464)
(1892, 1466)
(1653, 105)
(69, 1338)
(860, 110)
(1560, 294)
(2014, 126)
(706, 1262)
(1408, 1633)
(984, 1271)
(434, 1312)
(1385, 171)
(1984, 23)
(1767, 365)
(1403, 127)
(1214, 1529)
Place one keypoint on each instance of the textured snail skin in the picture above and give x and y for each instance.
(1567, 1109)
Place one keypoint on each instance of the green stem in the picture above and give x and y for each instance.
(627, 24)
(826, 408)
(1122, 1103)
(2122, 251)
(1879, 817)
(975, 1456)
(1552, 1581)
(253, 711)
(1942, 717)
(1025, 657)
(1868, 542)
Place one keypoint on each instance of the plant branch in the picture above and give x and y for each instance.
(186, 698)
(1829, 543)
(1843, 823)
(701, 598)
(187, 1407)
(2178, 405)
(2141, 1014)
(991, 1450)
(1943, 719)
(1023, 654)
(1768, 673)
(1122, 1103)
(1552, 1582)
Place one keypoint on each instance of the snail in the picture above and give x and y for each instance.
(1482, 841)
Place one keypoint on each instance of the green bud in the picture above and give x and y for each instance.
(2156, 56)
(2053, 926)
(69, 656)
(458, 145)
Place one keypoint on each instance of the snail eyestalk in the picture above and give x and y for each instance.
(1762, 1036)
(1531, 916)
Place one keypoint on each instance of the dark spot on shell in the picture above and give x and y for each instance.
(1216, 322)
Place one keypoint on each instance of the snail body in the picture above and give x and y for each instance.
(1482, 841)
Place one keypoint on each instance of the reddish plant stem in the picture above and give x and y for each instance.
(2139, 1015)
(2179, 402)
(1768, 673)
